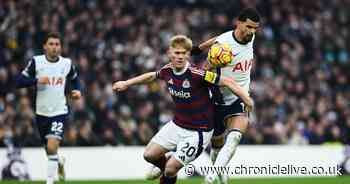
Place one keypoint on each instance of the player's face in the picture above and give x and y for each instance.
(248, 29)
(53, 47)
(178, 56)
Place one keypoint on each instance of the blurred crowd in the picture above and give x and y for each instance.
(300, 80)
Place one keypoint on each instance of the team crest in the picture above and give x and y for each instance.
(171, 81)
(186, 84)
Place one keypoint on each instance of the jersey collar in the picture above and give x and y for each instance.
(183, 70)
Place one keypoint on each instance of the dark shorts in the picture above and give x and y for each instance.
(221, 112)
(51, 126)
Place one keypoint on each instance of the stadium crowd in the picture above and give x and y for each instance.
(300, 80)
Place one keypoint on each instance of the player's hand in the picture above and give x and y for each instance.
(43, 80)
(249, 105)
(76, 94)
(120, 86)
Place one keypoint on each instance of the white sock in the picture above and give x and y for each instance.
(228, 150)
(52, 166)
(214, 153)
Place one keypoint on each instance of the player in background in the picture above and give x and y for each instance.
(231, 116)
(49, 73)
(192, 127)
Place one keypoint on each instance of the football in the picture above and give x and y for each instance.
(220, 55)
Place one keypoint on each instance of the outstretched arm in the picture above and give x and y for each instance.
(141, 79)
(197, 50)
(205, 45)
(238, 90)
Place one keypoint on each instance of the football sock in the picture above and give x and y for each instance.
(52, 166)
(228, 150)
(214, 154)
(167, 179)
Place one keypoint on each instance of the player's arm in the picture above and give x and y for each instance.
(216, 79)
(196, 50)
(238, 90)
(27, 77)
(141, 79)
(74, 78)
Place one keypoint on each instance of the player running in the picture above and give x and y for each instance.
(230, 113)
(49, 74)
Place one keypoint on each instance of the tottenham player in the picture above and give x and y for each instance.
(48, 73)
(191, 129)
(230, 112)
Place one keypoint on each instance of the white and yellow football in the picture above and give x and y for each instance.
(220, 55)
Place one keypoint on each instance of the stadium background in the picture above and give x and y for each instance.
(300, 80)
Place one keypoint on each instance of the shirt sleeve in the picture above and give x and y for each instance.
(27, 77)
(206, 76)
(161, 74)
(222, 38)
(29, 70)
(73, 73)
(74, 78)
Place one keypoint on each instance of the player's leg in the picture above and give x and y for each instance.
(52, 164)
(155, 154)
(169, 175)
(189, 147)
(51, 130)
(218, 139)
(153, 172)
(236, 122)
(161, 143)
(217, 142)
(237, 126)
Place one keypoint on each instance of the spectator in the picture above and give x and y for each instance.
(300, 79)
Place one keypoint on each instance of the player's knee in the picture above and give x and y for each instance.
(170, 171)
(52, 146)
(149, 156)
(51, 149)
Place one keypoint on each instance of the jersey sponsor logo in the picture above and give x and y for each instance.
(243, 66)
(180, 94)
(56, 81)
(210, 77)
(186, 84)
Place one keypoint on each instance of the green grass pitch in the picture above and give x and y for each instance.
(311, 180)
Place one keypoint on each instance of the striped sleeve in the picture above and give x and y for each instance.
(160, 74)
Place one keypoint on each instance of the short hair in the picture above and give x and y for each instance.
(249, 13)
(52, 35)
(181, 41)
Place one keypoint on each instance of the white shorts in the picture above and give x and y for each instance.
(187, 144)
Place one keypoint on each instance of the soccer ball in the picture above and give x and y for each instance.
(220, 55)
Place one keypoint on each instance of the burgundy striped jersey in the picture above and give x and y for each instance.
(190, 92)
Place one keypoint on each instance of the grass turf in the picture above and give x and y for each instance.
(311, 180)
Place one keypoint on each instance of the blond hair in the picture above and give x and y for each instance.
(181, 41)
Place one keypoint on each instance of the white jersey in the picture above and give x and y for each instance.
(239, 68)
(50, 98)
